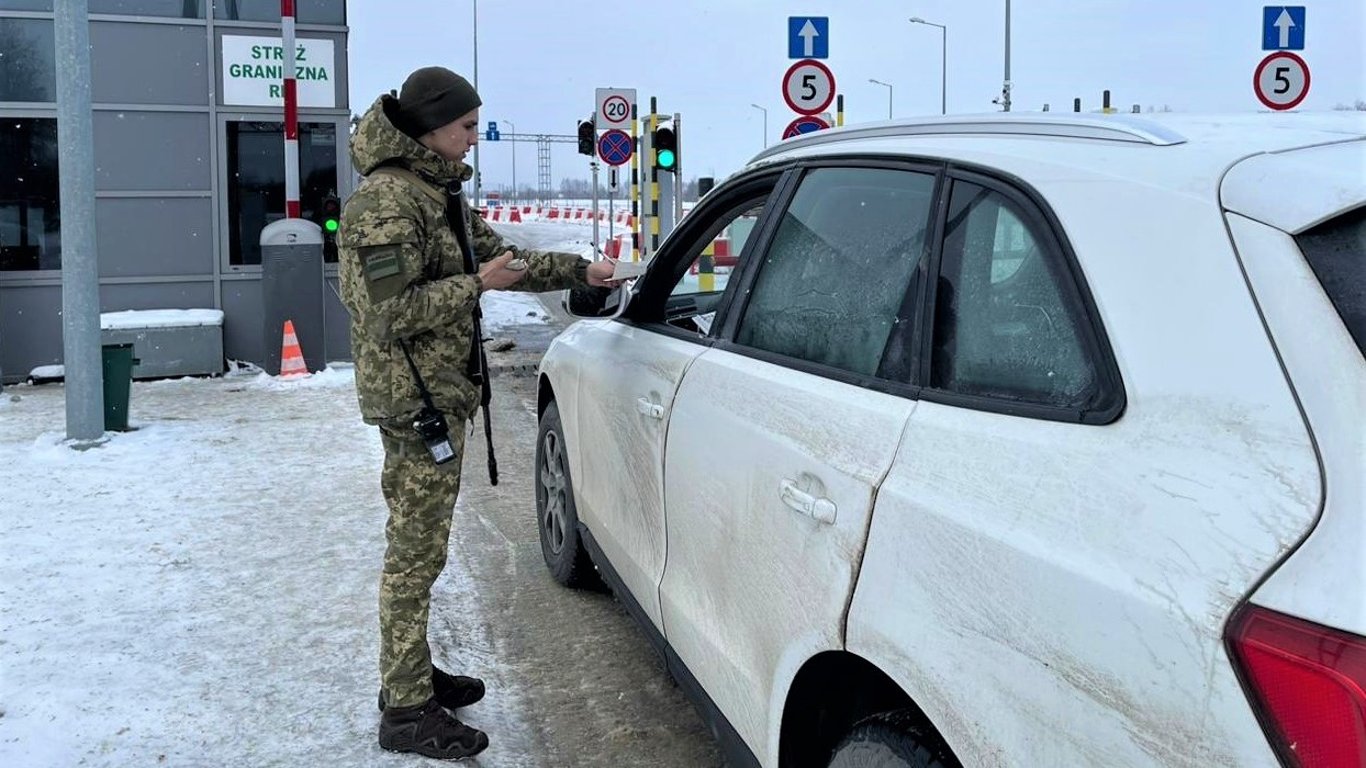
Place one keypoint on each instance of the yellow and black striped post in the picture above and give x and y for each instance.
(706, 269)
(635, 186)
(654, 183)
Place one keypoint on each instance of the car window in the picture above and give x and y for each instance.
(1003, 327)
(1336, 251)
(833, 281)
(711, 267)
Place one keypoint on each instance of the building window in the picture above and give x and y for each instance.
(256, 182)
(30, 216)
(305, 11)
(177, 9)
(25, 5)
(28, 66)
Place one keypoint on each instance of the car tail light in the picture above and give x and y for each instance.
(1309, 685)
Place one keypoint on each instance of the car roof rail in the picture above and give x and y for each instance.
(1066, 125)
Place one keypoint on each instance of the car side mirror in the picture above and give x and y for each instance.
(596, 301)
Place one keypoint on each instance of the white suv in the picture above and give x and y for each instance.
(1019, 440)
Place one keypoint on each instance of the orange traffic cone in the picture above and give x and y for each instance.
(291, 357)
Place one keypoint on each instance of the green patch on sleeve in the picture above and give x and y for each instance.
(383, 270)
(381, 261)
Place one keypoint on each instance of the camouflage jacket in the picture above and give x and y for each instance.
(403, 277)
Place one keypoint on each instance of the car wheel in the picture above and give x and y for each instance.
(556, 517)
(890, 741)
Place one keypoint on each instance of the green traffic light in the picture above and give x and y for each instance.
(666, 158)
(330, 225)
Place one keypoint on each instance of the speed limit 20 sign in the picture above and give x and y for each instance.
(614, 106)
(808, 87)
(1281, 80)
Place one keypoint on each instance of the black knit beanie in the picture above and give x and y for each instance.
(433, 97)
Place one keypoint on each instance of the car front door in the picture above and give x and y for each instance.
(781, 435)
(630, 370)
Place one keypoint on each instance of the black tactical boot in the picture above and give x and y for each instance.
(429, 730)
(451, 691)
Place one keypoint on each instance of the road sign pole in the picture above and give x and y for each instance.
(595, 209)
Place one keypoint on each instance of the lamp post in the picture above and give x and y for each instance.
(889, 94)
(514, 159)
(476, 89)
(1004, 99)
(765, 111)
(943, 62)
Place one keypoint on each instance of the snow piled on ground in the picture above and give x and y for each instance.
(202, 590)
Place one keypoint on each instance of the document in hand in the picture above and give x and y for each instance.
(626, 270)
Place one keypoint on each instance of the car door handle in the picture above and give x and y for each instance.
(647, 408)
(822, 510)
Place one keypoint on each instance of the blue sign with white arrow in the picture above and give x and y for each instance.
(1283, 28)
(492, 133)
(808, 37)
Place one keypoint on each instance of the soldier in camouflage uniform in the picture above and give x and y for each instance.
(404, 282)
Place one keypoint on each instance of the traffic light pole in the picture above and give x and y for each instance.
(678, 167)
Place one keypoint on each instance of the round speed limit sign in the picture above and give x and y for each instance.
(809, 87)
(1281, 80)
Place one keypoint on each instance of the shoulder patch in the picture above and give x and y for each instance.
(381, 261)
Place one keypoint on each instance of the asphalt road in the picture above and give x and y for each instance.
(582, 686)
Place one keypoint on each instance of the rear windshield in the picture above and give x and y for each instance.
(1336, 250)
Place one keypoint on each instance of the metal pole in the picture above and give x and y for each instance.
(888, 86)
(943, 69)
(678, 168)
(594, 166)
(476, 89)
(291, 110)
(611, 203)
(765, 111)
(80, 265)
(514, 160)
(943, 62)
(1005, 89)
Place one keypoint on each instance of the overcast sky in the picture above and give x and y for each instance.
(540, 61)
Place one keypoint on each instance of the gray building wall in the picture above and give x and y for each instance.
(162, 214)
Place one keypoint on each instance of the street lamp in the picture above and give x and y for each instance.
(1004, 99)
(514, 160)
(475, 3)
(765, 111)
(943, 64)
(889, 95)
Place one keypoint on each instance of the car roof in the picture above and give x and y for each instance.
(1184, 153)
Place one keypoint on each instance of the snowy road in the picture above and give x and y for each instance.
(202, 591)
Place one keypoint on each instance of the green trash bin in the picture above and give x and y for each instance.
(118, 381)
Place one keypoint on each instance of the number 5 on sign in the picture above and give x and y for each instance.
(1281, 80)
(808, 87)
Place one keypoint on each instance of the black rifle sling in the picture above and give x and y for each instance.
(477, 368)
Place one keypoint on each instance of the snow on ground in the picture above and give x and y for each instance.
(504, 308)
(201, 591)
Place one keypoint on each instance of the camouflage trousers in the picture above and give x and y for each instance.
(421, 498)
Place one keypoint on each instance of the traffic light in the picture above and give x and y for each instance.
(666, 147)
(588, 138)
(331, 214)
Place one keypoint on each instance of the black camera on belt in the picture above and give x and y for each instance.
(431, 425)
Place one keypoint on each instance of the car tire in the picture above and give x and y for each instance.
(556, 517)
(891, 741)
